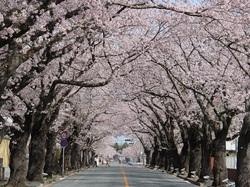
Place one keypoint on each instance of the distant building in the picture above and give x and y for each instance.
(5, 151)
(231, 158)
(4, 148)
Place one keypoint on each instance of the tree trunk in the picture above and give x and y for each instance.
(147, 153)
(243, 157)
(206, 152)
(18, 160)
(167, 161)
(87, 158)
(67, 157)
(83, 161)
(154, 156)
(162, 159)
(220, 169)
(50, 160)
(195, 161)
(176, 159)
(185, 152)
(75, 156)
(185, 157)
(171, 160)
(92, 157)
(83, 158)
(158, 158)
(37, 149)
(195, 152)
(18, 152)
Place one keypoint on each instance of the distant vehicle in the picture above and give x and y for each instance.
(129, 141)
(124, 162)
(130, 163)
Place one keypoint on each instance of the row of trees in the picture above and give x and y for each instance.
(50, 51)
(80, 125)
(193, 87)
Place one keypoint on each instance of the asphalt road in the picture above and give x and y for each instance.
(121, 176)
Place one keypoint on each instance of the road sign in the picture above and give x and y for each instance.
(64, 143)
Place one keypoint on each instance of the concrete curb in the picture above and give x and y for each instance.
(191, 181)
(60, 178)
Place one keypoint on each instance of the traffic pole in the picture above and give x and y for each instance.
(63, 161)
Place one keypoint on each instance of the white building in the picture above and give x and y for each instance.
(231, 158)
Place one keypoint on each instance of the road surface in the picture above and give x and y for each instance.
(121, 176)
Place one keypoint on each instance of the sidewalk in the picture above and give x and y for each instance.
(194, 180)
(47, 181)
(184, 177)
(2, 183)
(28, 183)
